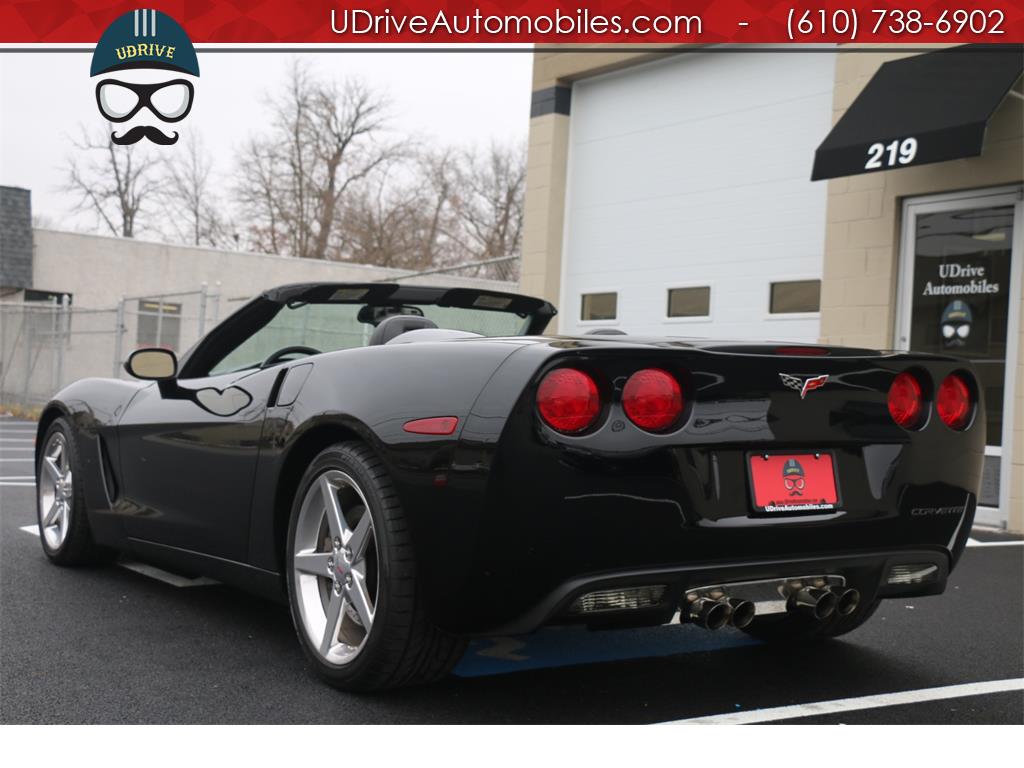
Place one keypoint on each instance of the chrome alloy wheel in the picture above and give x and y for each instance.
(56, 492)
(335, 576)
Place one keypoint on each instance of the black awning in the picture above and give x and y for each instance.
(922, 109)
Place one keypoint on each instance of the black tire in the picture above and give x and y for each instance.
(403, 647)
(78, 547)
(792, 628)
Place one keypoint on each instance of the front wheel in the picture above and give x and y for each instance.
(356, 600)
(60, 503)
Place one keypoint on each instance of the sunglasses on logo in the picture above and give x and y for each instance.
(119, 101)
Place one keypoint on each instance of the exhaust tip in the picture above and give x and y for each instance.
(847, 601)
(743, 612)
(820, 603)
(710, 614)
(826, 606)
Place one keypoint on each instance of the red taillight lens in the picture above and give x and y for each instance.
(906, 405)
(568, 401)
(652, 399)
(953, 402)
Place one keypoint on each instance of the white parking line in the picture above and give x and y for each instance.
(860, 702)
(19, 477)
(17, 484)
(27, 458)
(33, 529)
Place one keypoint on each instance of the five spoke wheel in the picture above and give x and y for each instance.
(56, 492)
(335, 567)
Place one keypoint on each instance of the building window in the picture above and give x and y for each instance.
(796, 296)
(689, 302)
(599, 306)
(159, 324)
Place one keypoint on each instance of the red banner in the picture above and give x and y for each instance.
(533, 21)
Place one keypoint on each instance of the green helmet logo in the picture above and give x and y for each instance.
(144, 39)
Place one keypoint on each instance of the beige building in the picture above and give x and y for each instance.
(670, 192)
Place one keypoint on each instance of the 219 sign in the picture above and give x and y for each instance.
(890, 155)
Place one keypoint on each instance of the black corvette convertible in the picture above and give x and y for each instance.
(411, 466)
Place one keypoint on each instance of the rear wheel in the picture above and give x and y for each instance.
(803, 628)
(60, 502)
(356, 601)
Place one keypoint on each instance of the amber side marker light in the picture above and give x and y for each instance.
(906, 403)
(953, 402)
(568, 401)
(438, 425)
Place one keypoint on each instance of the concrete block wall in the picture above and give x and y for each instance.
(99, 270)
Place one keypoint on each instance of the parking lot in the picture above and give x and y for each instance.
(132, 644)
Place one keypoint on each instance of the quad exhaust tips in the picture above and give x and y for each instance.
(715, 613)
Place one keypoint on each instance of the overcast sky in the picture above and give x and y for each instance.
(452, 98)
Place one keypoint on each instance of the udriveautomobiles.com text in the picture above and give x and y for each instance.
(363, 22)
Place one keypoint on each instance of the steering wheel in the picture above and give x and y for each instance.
(282, 353)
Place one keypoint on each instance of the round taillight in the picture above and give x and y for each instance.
(953, 402)
(652, 399)
(568, 401)
(906, 405)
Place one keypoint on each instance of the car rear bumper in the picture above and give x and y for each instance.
(868, 572)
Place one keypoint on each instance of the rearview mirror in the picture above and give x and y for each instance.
(152, 364)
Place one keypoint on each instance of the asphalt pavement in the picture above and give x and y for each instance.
(137, 645)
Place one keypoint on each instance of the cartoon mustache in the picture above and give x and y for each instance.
(140, 132)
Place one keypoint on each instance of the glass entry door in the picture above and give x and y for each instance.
(960, 277)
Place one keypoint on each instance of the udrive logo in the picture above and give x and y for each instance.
(145, 68)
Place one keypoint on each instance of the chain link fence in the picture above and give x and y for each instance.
(47, 345)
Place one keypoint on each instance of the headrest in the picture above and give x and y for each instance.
(396, 325)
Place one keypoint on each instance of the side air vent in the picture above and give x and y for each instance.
(107, 467)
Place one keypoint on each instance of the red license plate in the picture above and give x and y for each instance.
(793, 482)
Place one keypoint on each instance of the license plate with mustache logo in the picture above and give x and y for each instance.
(793, 482)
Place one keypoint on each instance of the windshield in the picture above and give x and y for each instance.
(328, 327)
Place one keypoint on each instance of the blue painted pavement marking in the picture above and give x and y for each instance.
(572, 645)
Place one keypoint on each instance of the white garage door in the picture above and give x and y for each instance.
(694, 172)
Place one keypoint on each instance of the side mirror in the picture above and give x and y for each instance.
(152, 364)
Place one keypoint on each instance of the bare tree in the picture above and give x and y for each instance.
(399, 216)
(259, 197)
(437, 209)
(195, 215)
(488, 202)
(323, 139)
(114, 182)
